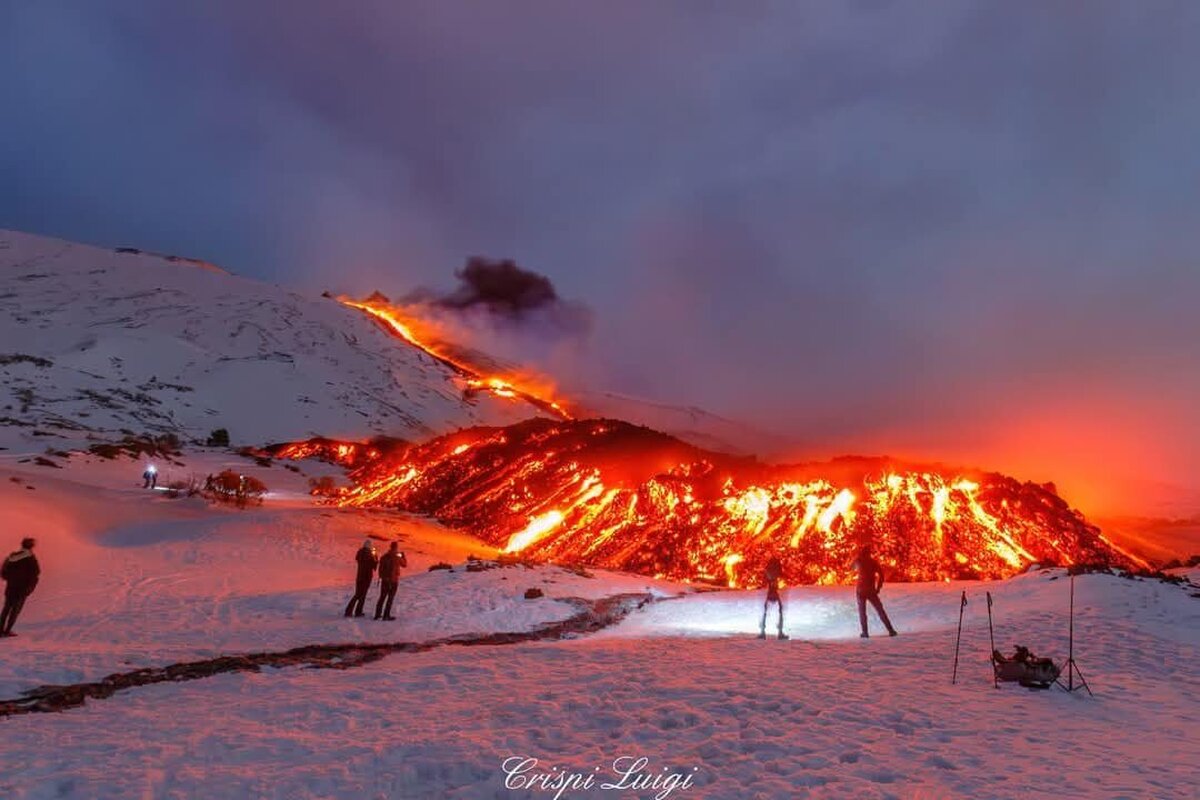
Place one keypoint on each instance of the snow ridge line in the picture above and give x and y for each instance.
(591, 617)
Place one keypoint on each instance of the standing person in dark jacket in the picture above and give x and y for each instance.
(870, 581)
(20, 573)
(773, 574)
(367, 561)
(389, 580)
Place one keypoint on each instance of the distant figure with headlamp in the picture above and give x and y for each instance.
(870, 581)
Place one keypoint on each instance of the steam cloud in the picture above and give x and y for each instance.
(514, 316)
(500, 293)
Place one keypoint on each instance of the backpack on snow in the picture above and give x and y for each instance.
(1025, 668)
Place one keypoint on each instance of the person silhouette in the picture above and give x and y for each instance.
(870, 581)
(20, 573)
(367, 560)
(773, 574)
(389, 580)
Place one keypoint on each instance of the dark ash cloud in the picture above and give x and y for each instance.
(501, 287)
(511, 295)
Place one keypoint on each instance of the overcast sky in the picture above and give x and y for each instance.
(967, 230)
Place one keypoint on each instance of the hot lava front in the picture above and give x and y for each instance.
(610, 494)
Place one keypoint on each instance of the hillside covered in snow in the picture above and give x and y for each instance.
(99, 342)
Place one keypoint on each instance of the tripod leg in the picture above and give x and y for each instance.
(1072, 669)
(1081, 678)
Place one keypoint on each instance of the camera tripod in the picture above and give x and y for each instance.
(1070, 667)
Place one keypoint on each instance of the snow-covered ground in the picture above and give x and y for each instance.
(134, 579)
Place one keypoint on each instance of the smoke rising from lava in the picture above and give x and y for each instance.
(515, 295)
(512, 313)
(510, 298)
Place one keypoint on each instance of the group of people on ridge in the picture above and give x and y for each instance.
(870, 582)
(389, 579)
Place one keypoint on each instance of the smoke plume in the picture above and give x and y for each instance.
(505, 294)
(513, 315)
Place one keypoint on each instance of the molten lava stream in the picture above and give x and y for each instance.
(609, 494)
(410, 329)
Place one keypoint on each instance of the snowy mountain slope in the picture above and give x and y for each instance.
(98, 341)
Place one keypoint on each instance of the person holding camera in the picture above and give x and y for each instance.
(389, 580)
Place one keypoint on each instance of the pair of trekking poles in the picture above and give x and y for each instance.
(958, 637)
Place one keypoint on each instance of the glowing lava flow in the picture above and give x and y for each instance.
(537, 529)
(610, 494)
(347, 454)
(510, 387)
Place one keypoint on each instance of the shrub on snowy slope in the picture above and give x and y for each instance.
(218, 438)
(165, 445)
